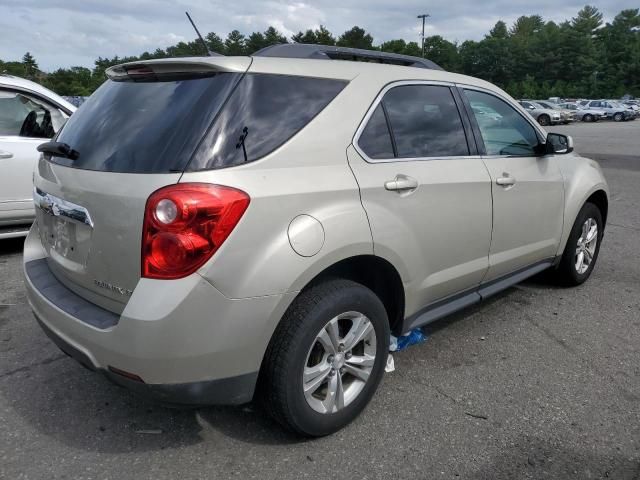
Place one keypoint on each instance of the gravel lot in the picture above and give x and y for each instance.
(539, 382)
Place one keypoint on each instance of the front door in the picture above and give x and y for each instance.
(527, 188)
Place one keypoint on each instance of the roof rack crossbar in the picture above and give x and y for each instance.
(329, 52)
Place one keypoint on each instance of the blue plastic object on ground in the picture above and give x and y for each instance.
(414, 337)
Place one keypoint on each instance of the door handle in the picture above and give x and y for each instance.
(506, 180)
(4, 154)
(401, 183)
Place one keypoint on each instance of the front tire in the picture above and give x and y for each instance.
(581, 252)
(618, 117)
(587, 118)
(326, 358)
(544, 120)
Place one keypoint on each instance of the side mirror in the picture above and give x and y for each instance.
(559, 144)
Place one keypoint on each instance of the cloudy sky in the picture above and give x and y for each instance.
(63, 33)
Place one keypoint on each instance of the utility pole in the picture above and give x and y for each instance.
(424, 16)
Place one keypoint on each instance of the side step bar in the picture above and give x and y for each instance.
(454, 303)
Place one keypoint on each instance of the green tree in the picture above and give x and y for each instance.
(324, 36)
(413, 49)
(307, 37)
(356, 37)
(320, 36)
(214, 43)
(394, 46)
(258, 41)
(235, 44)
(31, 69)
(442, 51)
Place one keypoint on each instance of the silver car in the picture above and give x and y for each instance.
(566, 115)
(543, 115)
(613, 110)
(583, 113)
(29, 113)
(213, 230)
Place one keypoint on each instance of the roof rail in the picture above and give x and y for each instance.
(329, 52)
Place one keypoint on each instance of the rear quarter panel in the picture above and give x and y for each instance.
(309, 175)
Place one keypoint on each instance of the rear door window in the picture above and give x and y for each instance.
(425, 122)
(375, 140)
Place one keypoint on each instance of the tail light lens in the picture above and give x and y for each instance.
(185, 224)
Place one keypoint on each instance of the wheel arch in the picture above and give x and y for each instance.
(575, 200)
(377, 274)
(600, 199)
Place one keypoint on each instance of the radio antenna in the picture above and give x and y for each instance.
(204, 44)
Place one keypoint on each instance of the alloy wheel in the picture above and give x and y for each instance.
(339, 362)
(586, 248)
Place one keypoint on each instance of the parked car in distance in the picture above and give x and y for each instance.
(29, 113)
(544, 116)
(614, 110)
(584, 114)
(75, 100)
(486, 115)
(632, 107)
(566, 116)
(266, 241)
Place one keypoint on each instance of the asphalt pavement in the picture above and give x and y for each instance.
(539, 382)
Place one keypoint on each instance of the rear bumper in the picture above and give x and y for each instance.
(229, 391)
(185, 341)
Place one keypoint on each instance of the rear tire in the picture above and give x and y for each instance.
(618, 117)
(587, 118)
(303, 349)
(544, 120)
(581, 252)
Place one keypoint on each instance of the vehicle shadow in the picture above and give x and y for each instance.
(11, 246)
(534, 458)
(82, 409)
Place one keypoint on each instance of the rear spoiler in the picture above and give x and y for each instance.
(187, 65)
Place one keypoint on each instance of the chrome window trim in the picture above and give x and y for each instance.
(59, 207)
(374, 105)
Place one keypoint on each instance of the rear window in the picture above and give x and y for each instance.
(144, 127)
(263, 113)
(169, 125)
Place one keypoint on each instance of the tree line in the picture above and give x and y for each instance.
(533, 58)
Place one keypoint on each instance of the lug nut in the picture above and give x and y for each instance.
(348, 355)
(341, 347)
(342, 371)
(332, 372)
(330, 359)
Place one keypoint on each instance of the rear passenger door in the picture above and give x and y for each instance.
(426, 191)
(528, 188)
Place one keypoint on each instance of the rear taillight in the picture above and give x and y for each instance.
(185, 224)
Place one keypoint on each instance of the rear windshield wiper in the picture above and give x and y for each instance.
(59, 149)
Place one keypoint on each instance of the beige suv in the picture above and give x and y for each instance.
(213, 229)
